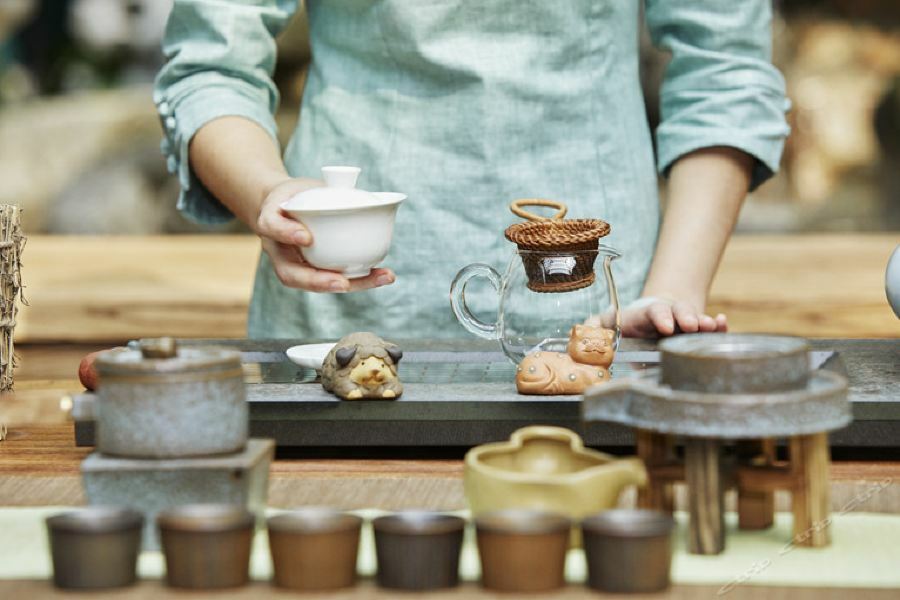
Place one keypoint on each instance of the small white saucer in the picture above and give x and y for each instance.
(310, 356)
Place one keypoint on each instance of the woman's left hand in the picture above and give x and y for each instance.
(652, 317)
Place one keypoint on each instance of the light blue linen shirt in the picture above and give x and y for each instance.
(465, 106)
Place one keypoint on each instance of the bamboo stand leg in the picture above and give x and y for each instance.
(756, 509)
(703, 470)
(810, 461)
(654, 449)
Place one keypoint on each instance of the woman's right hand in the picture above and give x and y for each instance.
(283, 236)
(240, 164)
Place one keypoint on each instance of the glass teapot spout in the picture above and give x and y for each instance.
(611, 318)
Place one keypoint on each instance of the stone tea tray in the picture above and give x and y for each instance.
(461, 393)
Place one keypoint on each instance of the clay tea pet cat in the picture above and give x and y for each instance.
(586, 363)
(362, 365)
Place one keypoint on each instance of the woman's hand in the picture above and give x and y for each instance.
(651, 317)
(282, 237)
(705, 192)
(239, 162)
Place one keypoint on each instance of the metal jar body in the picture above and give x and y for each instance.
(193, 404)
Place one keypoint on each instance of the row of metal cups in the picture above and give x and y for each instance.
(209, 546)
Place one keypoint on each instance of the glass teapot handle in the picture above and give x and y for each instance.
(489, 331)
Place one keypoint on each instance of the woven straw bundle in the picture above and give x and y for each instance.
(556, 237)
(12, 241)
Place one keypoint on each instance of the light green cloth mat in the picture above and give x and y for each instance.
(865, 552)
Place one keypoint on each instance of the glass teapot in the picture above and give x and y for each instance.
(549, 286)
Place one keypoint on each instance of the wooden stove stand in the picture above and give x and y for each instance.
(756, 474)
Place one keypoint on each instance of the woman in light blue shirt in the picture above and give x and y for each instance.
(465, 106)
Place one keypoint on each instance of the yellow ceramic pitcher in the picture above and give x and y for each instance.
(547, 468)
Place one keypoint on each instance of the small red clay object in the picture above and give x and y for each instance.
(87, 373)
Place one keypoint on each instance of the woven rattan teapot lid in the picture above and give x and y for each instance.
(575, 239)
(553, 233)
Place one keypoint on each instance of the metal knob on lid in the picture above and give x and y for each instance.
(164, 347)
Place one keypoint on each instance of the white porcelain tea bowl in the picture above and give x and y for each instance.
(351, 228)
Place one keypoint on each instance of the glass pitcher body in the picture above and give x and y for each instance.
(542, 295)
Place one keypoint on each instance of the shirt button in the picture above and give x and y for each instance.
(171, 164)
(163, 108)
(170, 123)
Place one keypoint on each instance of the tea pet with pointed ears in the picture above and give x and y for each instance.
(590, 351)
(362, 365)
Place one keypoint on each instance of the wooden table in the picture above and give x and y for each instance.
(39, 467)
(368, 591)
(90, 289)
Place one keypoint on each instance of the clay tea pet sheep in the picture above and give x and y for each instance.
(362, 365)
(589, 354)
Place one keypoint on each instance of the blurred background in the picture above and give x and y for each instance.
(79, 136)
(79, 152)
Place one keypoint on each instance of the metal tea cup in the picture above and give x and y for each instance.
(522, 550)
(206, 546)
(628, 551)
(95, 548)
(314, 548)
(418, 550)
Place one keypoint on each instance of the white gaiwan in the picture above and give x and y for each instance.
(351, 228)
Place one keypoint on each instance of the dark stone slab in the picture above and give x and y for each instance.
(459, 393)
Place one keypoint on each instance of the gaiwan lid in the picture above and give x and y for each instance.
(338, 193)
(162, 356)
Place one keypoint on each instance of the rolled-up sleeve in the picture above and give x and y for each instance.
(720, 87)
(220, 58)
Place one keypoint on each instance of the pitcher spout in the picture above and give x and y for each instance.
(629, 471)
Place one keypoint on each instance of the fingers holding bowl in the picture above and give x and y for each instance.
(377, 278)
(294, 272)
(303, 276)
(276, 225)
